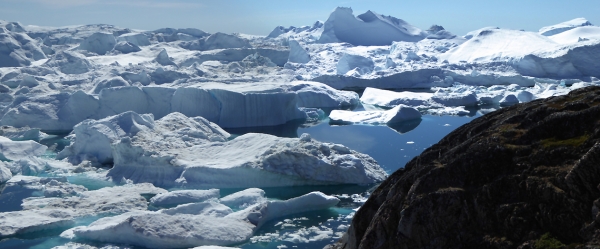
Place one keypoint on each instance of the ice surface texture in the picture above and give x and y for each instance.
(368, 29)
(211, 227)
(240, 105)
(177, 150)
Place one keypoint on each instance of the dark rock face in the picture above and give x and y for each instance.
(501, 181)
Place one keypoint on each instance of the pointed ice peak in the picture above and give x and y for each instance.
(297, 53)
(564, 26)
(163, 58)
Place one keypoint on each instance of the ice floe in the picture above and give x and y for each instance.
(175, 198)
(177, 150)
(181, 229)
(398, 114)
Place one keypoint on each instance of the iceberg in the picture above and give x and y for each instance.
(578, 34)
(5, 174)
(297, 53)
(94, 138)
(244, 198)
(136, 39)
(17, 49)
(181, 229)
(177, 150)
(30, 221)
(564, 26)
(69, 62)
(15, 150)
(400, 113)
(22, 134)
(99, 43)
(368, 29)
(178, 197)
(228, 105)
(390, 99)
(104, 201)
(251, 160)
(48, 213)
(127, 47)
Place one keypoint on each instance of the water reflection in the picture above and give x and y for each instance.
(404, 127)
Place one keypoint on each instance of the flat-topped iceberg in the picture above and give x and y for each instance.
(177, 150)
(228, 105)
(175, 198)
(182, 229)
(398, 114)
(15, 150)
(47, 213)
(564, 26)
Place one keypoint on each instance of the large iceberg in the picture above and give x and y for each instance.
(15, 150)
(16, 47)
(177, 150)
(398, 114)
(228, 105)
(99, 43)
(46, 213)
(368, 29)
(564, 26)
(209, 227)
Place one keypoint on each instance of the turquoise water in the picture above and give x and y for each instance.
(392, 147)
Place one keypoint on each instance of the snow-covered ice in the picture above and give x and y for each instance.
(367, 29)
(564, 26)
(177, 150)
(175, 198)
(398, 114)
(181, 229)
(150, 107)
(15, 150)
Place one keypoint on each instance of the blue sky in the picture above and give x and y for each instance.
(261, 16)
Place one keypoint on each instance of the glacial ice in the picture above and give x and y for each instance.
(127, 47)
(178, 197)
(69, 62)
(368, 29)
(94, 138)
(181, 229)
(244, 198)
(264, 104)
(186, 84)
(297, 53)
(59, 211)
(5, 174)
(177, 150)
(137, 39)
(564, 26)
(22, 134)
(15, 150)
(578, 34)
(398, 114)
(104, 201)
(16, 47)
(99, 43)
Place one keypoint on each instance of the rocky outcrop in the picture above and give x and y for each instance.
(505, 180)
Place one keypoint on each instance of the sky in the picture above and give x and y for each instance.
(260, 17)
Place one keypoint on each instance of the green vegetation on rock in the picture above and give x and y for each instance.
(548, 242)
(572, 142)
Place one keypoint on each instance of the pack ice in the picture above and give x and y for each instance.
(147, 110)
